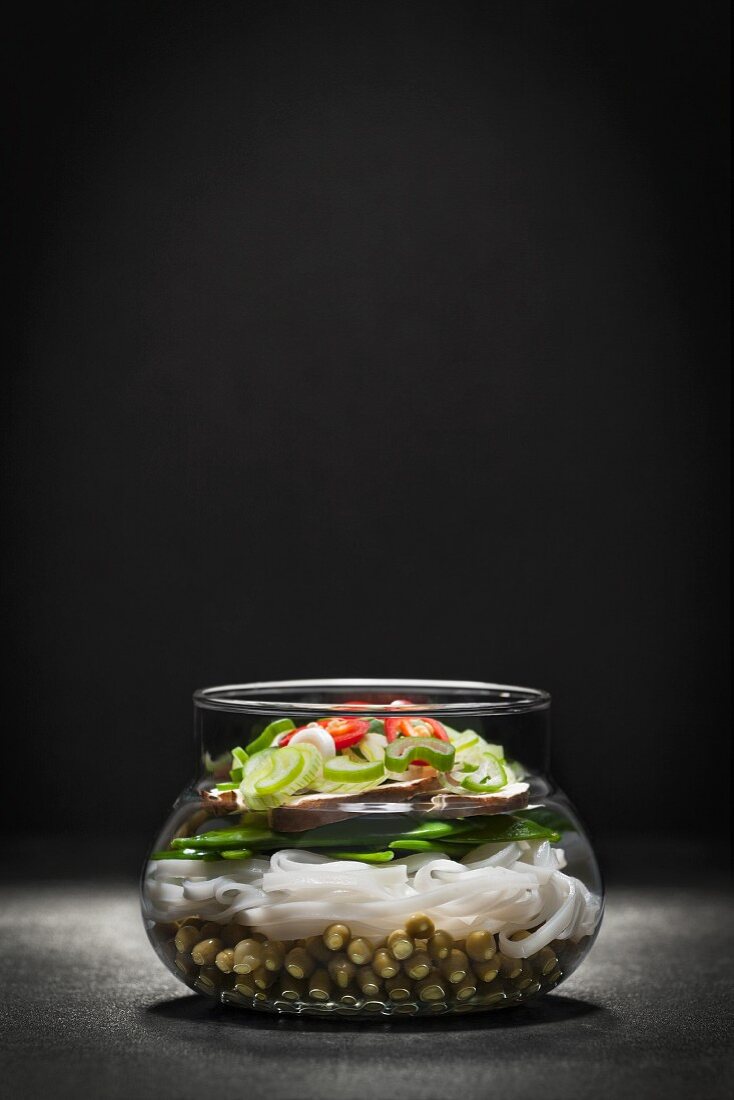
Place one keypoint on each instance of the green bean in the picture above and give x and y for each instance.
(480, 946)
(419, 925)
(223, 839)
(364, 857)
(400, 944)
(336, 936)
(417, 844)
(349, 997)
(299, 963)
(329, 836)
(206, 951)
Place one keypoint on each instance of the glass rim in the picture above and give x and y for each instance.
(507, 698)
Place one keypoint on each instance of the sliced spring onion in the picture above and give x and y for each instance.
(345, 769)
(268, 735)
(429, 750)
(273, 775)
(239, 759)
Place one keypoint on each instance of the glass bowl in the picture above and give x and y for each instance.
(372, 848)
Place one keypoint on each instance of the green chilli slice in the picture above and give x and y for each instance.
(490, 776)
(400, 754)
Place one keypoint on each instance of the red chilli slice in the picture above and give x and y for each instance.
(345, 731)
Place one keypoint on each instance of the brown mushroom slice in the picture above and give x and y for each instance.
(222, 802)
(515, 796)
(312, 810)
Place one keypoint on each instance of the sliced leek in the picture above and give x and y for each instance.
(344, 769)
(273, 775)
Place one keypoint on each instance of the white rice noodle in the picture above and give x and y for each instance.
(501, 888)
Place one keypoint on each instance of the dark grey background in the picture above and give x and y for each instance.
(369, 339)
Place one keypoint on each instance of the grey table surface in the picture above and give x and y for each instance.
(88, 1009)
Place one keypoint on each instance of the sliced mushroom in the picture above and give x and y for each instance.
(515, 796)
(222, 802)
(311, 810)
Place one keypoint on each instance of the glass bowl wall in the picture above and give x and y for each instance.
(404, 899)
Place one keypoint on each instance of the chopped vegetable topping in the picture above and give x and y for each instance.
(400, 754)
(344, 769)
(268, 735)
(274, 774)
(345, 732)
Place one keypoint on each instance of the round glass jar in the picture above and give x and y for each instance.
(372, 848)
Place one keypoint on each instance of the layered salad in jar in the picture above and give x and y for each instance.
(369, 865)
